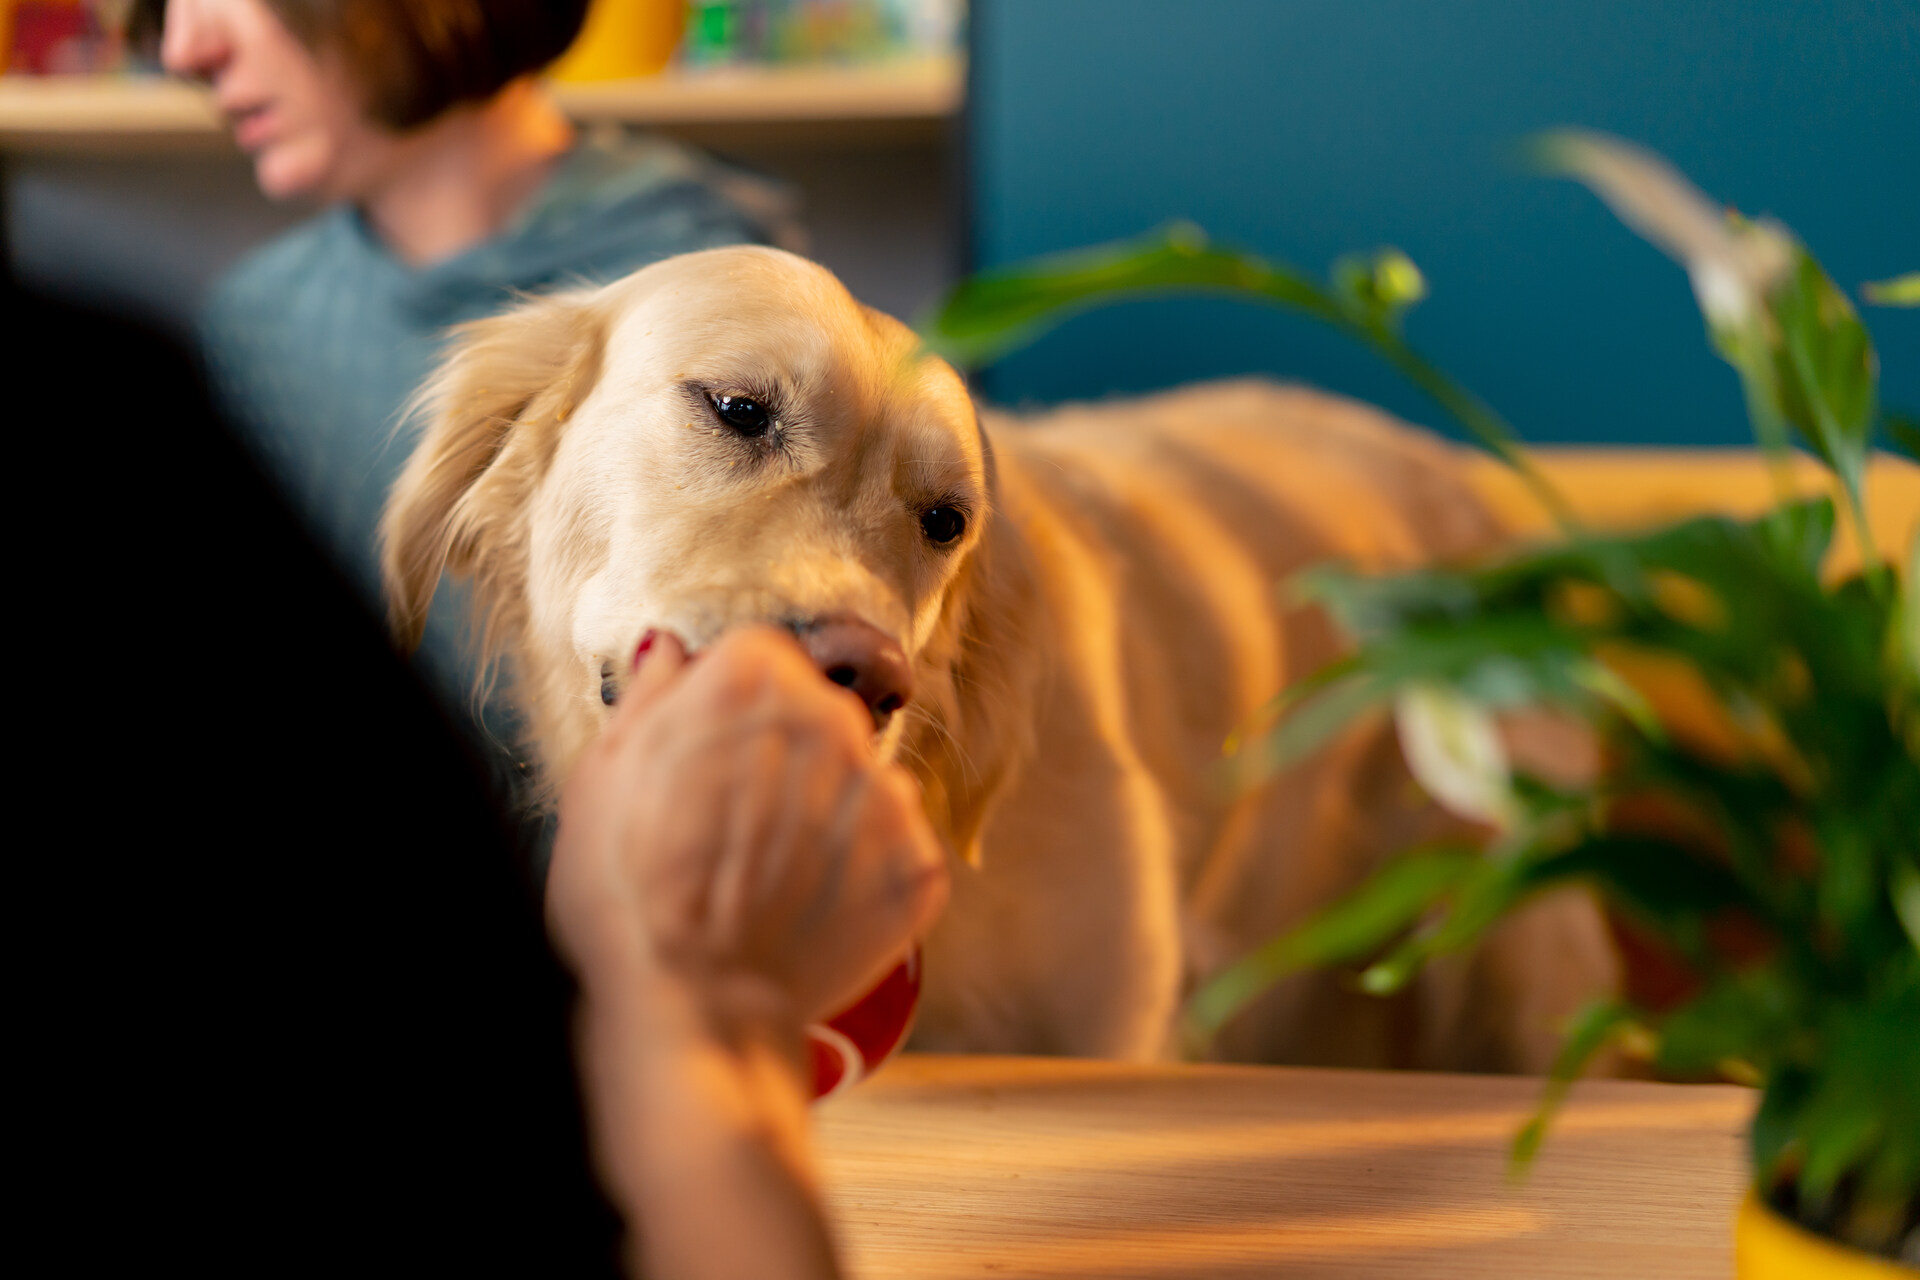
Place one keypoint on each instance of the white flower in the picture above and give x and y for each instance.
(1724, 297)
(1454, 751)
(1732, 263)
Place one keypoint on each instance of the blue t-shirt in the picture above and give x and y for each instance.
(316, 340)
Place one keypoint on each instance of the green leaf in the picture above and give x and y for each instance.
(1865, 1084)
(1611, 690)
(998, 311)
(1367, 604)
(1909, 624)
(1904, 890)
(1845, 1102)
(1661, 883)
(1800, 533)
(1837, 1144)
(1308, 724)
(1500, 635)
(1901, 291)
(1775, 1127)
(1808, 363)
(1904, 430)
(1493, 887)
(1503, 660)
(1828, 370)
(1889, 1182)
(1588, 1031)
(1667, 886)
(1273, 709)
(1352, 929)
(1747, 806)
(1741, 1017)
(1850, 889)
(1827, 376)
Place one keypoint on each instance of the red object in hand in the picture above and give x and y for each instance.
(852, 1044)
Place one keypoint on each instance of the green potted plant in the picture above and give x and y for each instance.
(1793, 828)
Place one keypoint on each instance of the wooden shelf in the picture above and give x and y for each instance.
(43, 112)
(905, 99)
(924, 90)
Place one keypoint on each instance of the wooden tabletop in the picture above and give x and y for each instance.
(951, 1166)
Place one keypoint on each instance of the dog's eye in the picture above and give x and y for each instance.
(943, 524)
(744, 414)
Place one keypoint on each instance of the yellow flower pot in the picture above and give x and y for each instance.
(622, 39)
(1768, 1247)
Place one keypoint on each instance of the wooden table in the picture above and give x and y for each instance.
(951, 1166)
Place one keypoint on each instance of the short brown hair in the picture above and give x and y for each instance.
(415, 58)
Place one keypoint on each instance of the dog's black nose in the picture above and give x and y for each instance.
(864, 659)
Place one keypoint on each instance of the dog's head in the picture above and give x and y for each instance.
(721, 438)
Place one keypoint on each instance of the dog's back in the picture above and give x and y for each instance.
(1203, 503)
(1162, 532)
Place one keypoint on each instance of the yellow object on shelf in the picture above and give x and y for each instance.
(1768, 1247)
(623, 40)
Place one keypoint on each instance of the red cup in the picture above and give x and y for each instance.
(852, 1044)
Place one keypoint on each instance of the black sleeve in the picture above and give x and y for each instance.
(287, 1006)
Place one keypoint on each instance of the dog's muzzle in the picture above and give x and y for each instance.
(853, 654)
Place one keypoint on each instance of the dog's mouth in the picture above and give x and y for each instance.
(850, 652)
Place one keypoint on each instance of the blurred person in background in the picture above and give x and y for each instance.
(451, 182)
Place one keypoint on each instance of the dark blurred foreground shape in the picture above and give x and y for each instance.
(287, 1007)
(1314, 128)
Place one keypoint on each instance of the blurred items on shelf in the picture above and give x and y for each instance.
(50, 37)
(622, 39)
(78, 37)
(801, 31)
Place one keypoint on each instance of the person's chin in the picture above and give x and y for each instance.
(289, 171)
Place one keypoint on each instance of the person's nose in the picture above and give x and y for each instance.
(194, 41)
(862, 658)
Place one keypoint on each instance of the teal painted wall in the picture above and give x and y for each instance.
(1307, 128)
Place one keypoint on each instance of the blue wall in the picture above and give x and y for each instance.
(1308, 128)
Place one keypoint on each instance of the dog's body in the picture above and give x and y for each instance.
(1105, 615)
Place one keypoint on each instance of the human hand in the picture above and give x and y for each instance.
(731, 831)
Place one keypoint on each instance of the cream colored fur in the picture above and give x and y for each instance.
(1110, 614)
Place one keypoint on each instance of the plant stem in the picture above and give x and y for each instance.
(1488, 428)
(1293, 290)
(1748, 355)
(1846, 463)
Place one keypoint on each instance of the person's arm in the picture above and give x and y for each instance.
(699, 1118)
(731, 862)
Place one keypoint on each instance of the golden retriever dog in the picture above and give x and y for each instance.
(1055, 624)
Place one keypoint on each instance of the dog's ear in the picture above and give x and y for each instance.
(492, 414)
(979, 731)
